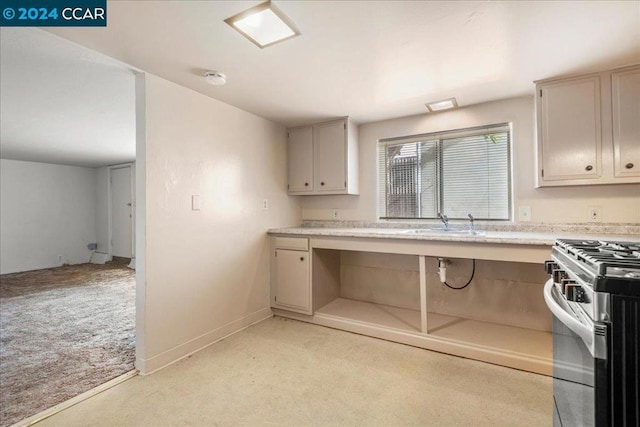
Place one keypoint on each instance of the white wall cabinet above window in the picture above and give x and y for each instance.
(589, 129)
(323, 159)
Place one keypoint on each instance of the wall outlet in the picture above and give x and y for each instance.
(335, 214)
(595, 214)
(524, 213)
(265, 204)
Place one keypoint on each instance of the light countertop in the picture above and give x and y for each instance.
(505, 237)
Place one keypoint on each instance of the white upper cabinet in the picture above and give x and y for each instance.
(331, 155)
(323, 159)
(300, 164)
(589, 128)
(570, 151)
(626, 122)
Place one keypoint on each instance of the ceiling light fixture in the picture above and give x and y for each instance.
(264, 25)
(215, 78)
(445, 104)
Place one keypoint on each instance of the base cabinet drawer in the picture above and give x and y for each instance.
(292, 281)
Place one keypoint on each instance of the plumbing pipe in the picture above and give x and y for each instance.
(442, 269)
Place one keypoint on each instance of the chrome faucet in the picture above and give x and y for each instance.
(472, 226)
(444, 220)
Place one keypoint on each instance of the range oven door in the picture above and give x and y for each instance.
(573, 365)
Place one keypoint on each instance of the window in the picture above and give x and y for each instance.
(455, 173)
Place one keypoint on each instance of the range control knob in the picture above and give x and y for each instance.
(558, 275)
(549, 266)
(564, 283)
(575, 293)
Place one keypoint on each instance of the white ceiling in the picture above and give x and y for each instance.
(370, 60)
(63, 103)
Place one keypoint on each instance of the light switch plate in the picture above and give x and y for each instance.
(195, 203)
(524, 213)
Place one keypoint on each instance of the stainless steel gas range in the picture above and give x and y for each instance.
(594, 294)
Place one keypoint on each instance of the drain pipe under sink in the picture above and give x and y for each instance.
(442, 269)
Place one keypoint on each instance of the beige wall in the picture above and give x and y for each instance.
(206, 271)
(620, 203)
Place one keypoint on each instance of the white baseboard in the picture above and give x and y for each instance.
(99, 258)
(179, 352)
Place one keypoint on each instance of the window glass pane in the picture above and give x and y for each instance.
(429, 179)
(475, 177)
(402, 181)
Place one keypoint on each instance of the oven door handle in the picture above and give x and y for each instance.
(585, 332)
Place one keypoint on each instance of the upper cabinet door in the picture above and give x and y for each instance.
(300, 159)
(626, 122)
(570, 129)
(331, 155)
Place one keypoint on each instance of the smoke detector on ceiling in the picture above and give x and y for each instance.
(215, 78)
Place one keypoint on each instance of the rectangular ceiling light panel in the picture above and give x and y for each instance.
(445, 104)
(263, 25)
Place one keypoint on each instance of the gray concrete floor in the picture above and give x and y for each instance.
(284, 372)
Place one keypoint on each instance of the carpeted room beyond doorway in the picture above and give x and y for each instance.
(63, 331)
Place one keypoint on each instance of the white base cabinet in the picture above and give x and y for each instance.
(291, 279)
(588, 128)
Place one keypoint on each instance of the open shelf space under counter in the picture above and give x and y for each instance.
(519, 348)
(398, 297)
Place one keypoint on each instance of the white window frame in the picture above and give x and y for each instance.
(440, 136)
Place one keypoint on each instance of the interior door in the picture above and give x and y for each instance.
(121, 213)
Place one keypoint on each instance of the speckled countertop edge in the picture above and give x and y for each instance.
(529, 234)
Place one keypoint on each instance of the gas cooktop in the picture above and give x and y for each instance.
(608, 266)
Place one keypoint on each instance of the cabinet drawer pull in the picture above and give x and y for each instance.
(306, 184)
(589, 167)
(322, 183)
(301, 258)
(629, 166)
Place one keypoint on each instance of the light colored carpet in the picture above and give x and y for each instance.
(63, 331)
(286, 373)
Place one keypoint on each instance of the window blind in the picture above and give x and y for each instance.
(454, 173)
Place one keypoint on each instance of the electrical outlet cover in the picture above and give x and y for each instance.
(595, 214)
(524, 213)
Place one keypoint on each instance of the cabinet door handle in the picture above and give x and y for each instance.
(301, 258)
(306, 184)
(629, 166)
(589, 167)
(322, 183)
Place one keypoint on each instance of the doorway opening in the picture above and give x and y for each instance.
(67, 266)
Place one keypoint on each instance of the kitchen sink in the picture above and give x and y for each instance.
(449, 231)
